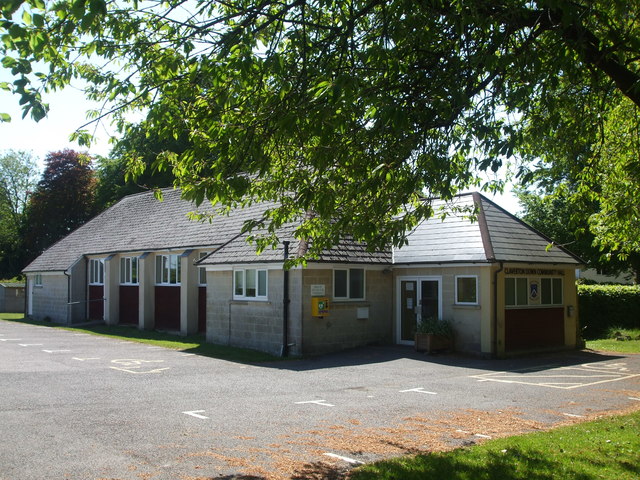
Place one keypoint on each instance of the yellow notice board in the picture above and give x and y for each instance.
(319, 306)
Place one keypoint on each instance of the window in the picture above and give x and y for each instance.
(250, 283)
(167, 270)
(202, 272)
(96, 271)
(37, 280)
(466, 290)
(129, 270)
(348, 283)
(517, 291)
(551, 291)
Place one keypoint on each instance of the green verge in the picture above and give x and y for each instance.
(611, 344)
(189, 344)
(603, 449)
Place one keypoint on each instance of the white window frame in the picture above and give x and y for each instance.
(202, 271)
(240, 283)
(96, 271)
(166, 263)
(126, 271)
(349, 294)
(37, 280)
(457, 300)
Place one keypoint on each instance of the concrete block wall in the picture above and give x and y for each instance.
(245, 323)
(343, 327)
(50, 299)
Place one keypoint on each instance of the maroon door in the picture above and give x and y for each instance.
(129, 301)
(533, 328)
(168, 307)
(96, 302)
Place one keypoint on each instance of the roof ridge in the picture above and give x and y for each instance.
(485, 234)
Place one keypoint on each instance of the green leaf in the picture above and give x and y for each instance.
(5, 117)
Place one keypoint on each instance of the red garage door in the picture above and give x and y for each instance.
(533, 328)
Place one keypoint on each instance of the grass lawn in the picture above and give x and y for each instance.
(608, 448)
(610, 344)
(191, 344)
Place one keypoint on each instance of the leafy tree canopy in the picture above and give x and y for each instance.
(18, 177)
(352, 110)
(62, 201)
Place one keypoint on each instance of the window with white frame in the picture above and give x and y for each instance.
(348, 283)
(96, 271)
(129, 270)
(250, 283)
(168, 269)
(517, 291)
(202, 271)
(466, 289)
(37, 280)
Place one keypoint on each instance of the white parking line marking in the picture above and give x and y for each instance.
(573, 415)
(137, 366)
(187, 355)
(31, 344)
(566, 378)
(84, 359)
(196, 413)
(418, 390)
(317, 402)
(56, 351)
(634, 398)
(10, 339)
(479, 435)
(345, 459)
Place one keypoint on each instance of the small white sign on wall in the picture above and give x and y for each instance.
(363, 313)
(317, 290)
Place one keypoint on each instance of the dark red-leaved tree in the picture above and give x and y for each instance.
(63, 200)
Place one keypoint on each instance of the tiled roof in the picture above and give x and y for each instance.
(239, 251)
(495, 235)
(142, 223)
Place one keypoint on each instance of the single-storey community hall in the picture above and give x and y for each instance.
(143, 262)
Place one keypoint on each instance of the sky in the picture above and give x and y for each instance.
(67, 113)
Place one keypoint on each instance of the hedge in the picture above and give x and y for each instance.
(605, 306)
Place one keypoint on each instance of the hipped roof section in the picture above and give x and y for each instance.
(140, 223)
(494, 235)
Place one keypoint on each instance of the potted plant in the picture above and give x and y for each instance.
(434, 335)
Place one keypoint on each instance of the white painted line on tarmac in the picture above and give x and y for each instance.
(463, 431)
(324, 403)
(573, 415)
(187, 355)
(56, 351)
(196, 414)
(418, 390)
(10, 339)
(634, 398)
(31, 344)
(154, 348)
(85, 359)
(129, 370)
(479, 435)
(345, 459)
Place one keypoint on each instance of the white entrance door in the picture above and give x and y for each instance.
(419, 298)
